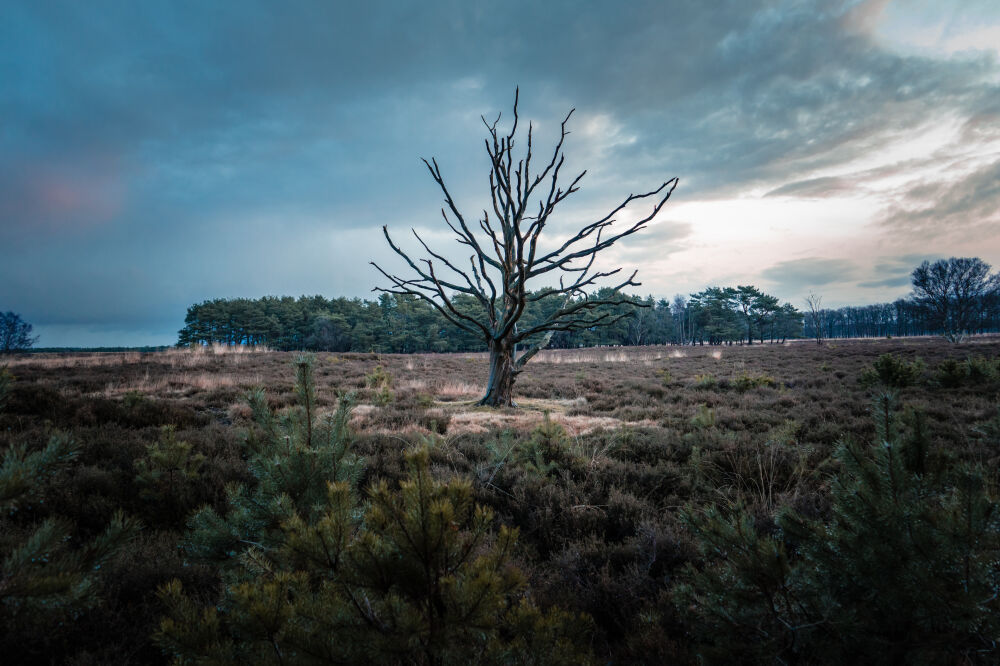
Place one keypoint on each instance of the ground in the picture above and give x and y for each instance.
(638, 434)
(583, 390)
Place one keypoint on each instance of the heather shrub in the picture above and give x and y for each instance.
(50, 572)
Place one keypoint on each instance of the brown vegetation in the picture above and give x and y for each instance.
(593, 468)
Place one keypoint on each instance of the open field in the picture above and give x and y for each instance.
(638, 434)
(659, 388)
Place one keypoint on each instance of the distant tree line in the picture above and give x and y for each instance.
(952, 297)
(900, 318)
(404, 324)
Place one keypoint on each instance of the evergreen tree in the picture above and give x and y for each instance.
(292, 457)
(167, 473)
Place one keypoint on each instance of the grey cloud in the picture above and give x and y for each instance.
(902, 264)
(969, 206)
(797, 274)
(197, 143)
(899, 281)
(656, 242)
(817, 188)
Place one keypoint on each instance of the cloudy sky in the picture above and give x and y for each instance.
(157, 154)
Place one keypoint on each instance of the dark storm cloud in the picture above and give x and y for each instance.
(155, 154)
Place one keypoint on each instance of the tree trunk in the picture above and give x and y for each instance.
(500, 387)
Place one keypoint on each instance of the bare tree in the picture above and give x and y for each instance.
(506, 253)
(15, 333)
(815, 314)
(955, 292)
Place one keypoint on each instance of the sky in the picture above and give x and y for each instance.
(157, 154)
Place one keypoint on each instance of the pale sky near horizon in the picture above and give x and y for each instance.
(157, 154)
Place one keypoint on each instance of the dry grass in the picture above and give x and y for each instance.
(661, 387)
(452, 390)
(601, 355)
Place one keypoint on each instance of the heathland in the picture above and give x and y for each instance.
(792, 502)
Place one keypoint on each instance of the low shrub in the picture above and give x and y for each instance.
(890, 371)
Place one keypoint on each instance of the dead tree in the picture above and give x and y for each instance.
(506, 254)
(816, 316)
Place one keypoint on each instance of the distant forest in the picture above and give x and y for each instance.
(403, 324)
(900, 318)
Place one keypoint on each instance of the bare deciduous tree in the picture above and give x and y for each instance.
(15, 333)
(815, 314)
(506, 254)
(955, 292)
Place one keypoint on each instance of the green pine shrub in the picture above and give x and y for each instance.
(380, 383)
(705, 381)
(982, 370)
(317, 572)
(704, 418)
(890, 371)
(547, 450)
(292, 457)
(169, 473)
(903, 570)
(951, 373)
(746, 381)
(413, 575)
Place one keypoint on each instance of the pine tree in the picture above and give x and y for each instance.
(167, 473)
(293, 458)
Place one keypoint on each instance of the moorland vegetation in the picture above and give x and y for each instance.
(775, 503)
